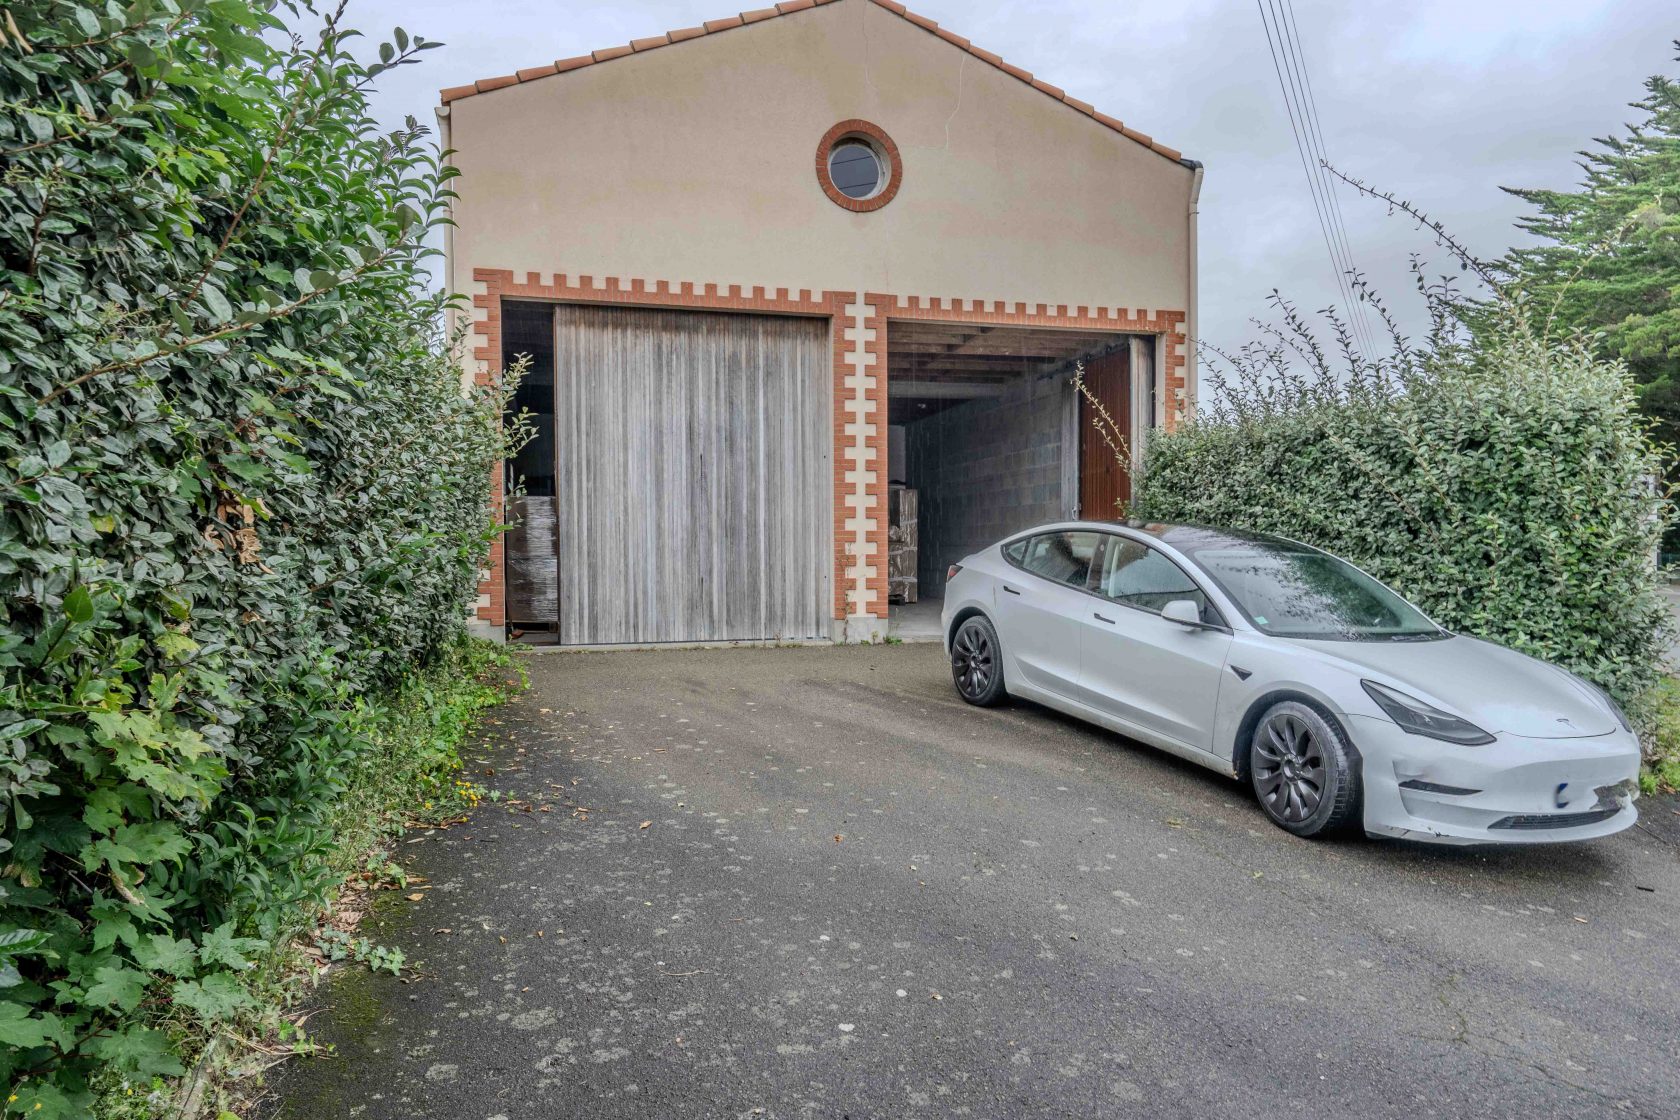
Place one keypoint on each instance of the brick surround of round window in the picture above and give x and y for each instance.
(885, 151)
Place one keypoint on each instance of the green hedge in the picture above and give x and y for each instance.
(1504, 483)
(240, 487)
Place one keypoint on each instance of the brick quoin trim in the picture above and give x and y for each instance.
(500, 284)
(1168, 324)
(858, 325)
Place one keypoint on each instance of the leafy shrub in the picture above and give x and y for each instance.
(240, 488)
(1502, 480)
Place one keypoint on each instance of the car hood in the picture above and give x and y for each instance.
(1497, 689)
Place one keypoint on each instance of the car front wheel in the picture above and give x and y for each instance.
(977, 662)
(1303, 770)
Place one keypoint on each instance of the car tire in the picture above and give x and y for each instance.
(1303, 770)
(977, 662)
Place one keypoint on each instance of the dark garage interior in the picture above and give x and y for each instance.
(987, 436)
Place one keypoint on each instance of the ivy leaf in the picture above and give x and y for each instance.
(217, 996)
(117, 987)
(139, 1051)
(220, 946)
(39, 1100)
(159, 952)
(18, 1028)
(176, 646)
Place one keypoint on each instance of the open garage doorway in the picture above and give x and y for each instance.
(987, 435)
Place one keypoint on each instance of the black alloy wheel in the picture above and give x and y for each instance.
(1303, 771)
(977, 662)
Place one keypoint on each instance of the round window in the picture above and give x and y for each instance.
(855, 169)
(858, 166)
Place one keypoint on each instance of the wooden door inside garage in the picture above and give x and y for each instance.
(693, 478)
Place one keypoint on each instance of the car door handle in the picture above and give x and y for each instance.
(1101, 618)
(1010, 589)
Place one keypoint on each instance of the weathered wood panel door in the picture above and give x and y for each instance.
(694, 483)
(1105, 480)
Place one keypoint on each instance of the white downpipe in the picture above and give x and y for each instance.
(1191, 322)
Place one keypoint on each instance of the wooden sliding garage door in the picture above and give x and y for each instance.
(694, 482)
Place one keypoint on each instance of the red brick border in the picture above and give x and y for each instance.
(500, 284)
(877, 311)
(895, 166)
(875, 319)
(1168, 324)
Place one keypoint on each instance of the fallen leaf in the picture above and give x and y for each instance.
(644, 824)
(416, 897)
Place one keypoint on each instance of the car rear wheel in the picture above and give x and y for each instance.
(977, 662)
(1303, 770)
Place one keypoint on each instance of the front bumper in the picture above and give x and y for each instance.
(1512, 791)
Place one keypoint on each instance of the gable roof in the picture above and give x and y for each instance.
(788, 7)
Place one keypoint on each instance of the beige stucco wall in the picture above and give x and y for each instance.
(695, 162)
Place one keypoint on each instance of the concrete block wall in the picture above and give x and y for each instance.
(986, 468)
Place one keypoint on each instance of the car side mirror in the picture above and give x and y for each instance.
(1184, 612)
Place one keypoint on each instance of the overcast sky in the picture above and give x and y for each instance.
(1440, 101)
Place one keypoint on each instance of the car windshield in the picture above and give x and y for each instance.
(1291, 591)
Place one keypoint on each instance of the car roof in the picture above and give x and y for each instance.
(1175, 534)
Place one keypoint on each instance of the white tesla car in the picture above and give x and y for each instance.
(1276, 662)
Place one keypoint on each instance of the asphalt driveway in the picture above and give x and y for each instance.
(812, 883)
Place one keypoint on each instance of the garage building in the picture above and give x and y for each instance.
(800, 296)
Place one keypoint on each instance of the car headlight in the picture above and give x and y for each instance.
(1417, 718)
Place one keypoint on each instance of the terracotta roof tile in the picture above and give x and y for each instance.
(787, 7)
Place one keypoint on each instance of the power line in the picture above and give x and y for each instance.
(1312, 157)
(1314, 186)
(1339, 223)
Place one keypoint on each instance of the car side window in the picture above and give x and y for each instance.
(1063, 557)
(1139, 576)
